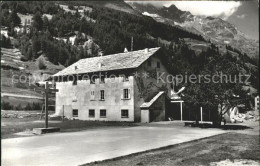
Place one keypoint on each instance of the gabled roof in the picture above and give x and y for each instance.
(150, 103)
(119, 61)
(175, 97)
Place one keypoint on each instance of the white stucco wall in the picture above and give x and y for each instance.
(80, 93)
(140, 88)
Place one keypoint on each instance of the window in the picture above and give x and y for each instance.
(92, 80)
(102, 95)
(149, 62)
(92, 95)
(126, 78)
(74, 81)
(124, 113)
(102, 80)
(158, 65)
(75, 113)
(103, 113)
(91, 113)
(126, 94)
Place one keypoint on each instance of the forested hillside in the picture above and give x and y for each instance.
(112, 31)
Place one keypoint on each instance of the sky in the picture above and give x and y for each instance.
(243, 14)
(246, 18)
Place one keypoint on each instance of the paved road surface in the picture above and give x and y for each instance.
(74, 148)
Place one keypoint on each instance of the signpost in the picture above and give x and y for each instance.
(46, 92)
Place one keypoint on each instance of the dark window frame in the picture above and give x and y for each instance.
(103, 116)
(158, 65)
(102, 95)
(126, 94)
(102, 80)
(73, 113)
(91, 115)
(124, 113)
(126, 78)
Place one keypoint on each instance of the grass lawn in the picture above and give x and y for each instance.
(229, 146)
(10, 126)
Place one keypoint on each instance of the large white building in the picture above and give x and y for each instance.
(128, 90)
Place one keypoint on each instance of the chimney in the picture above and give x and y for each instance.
(146, 50)
(76, 67)
(125, 50)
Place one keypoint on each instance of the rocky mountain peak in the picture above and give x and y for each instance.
(215, 29)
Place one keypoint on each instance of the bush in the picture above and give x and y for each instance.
(33, 106)
(16, 44)
(41, 64)
(71, 7)
(36, 106)
(6, 106)
(28, 107)
(24, 59)
(18, 107)
(5, 42)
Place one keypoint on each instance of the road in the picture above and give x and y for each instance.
(75, 148)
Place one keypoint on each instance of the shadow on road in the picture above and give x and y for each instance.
(223, 127)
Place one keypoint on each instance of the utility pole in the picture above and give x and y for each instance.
(132, 43)
(201, 114)
(46, 104)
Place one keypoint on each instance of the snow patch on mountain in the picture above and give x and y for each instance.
(150, 15)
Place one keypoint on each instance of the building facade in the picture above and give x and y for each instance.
(113, 87)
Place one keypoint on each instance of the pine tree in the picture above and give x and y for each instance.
(45, 23)
(14, 19)
(29, 53)
(37, 21)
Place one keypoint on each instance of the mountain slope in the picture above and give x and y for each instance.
(215, 29)
(119, 5)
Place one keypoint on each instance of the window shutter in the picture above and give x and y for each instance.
(92, 95)
(129, 93)
(122, 93)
